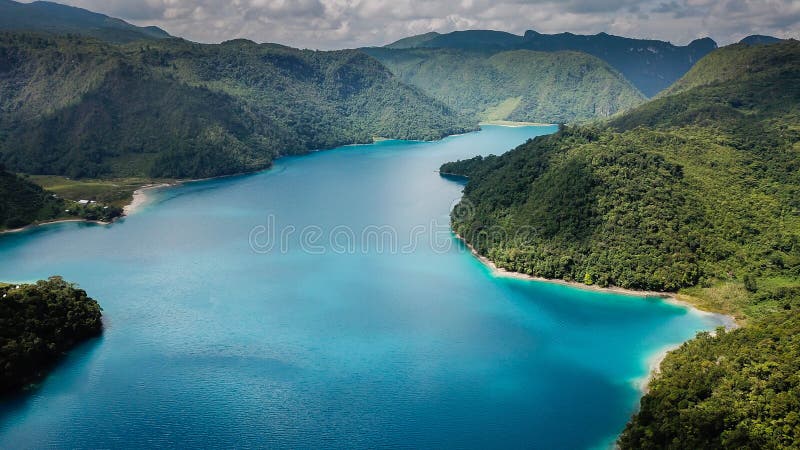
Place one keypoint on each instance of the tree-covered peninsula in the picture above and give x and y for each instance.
(697, 191)
(38, 323)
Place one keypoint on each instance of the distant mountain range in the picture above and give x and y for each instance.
(56, 18)
(757, 39)
(650, 65)
(515, 85)
(87, 95)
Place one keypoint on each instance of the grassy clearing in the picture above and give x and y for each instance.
(503, 110)
(726, 297)
(116, 192)
(766, 296)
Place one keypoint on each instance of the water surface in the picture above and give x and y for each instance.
(215, 339)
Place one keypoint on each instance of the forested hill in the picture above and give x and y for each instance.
(22, 202)
(694, 186)
(651, 65)
(170, 108)
(698, 190)
(517, 85)
(54, 18)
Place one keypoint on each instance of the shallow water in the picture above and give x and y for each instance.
(325, 303)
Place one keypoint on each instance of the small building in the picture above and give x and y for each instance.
(83, 202)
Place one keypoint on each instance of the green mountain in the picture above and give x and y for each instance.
(697, 190)
(170, 108)
(650, 65)
(413, 41)
(758, 39)
(54, 18)
(699, 184)
(517, 85)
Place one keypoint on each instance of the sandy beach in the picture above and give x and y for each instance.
(140, 197)
(508, 123)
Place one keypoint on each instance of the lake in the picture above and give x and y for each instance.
(325, 303)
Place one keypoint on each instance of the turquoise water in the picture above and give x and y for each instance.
(220, 335)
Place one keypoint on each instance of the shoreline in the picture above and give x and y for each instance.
(512, 124)
(654, 367)
(669, 297)
(140, 197)
(654, 360)
(52, 222)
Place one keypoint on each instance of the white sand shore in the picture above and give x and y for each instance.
(508, 123)
(654, 361)
(654, 367)
(140, 197)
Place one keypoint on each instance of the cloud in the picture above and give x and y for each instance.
(330, 24)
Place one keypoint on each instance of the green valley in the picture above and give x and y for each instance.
(246, 311)
(519, 85)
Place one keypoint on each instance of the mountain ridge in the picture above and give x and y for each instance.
(651, 65)
(758, 39)
(56, 18)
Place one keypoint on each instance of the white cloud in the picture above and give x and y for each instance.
(351, 23)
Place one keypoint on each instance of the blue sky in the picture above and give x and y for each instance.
(329, 24)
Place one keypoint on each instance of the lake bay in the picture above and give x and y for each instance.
(325, 303)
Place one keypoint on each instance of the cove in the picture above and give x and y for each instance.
(324, 303)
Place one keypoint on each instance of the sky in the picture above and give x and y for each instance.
(332, 24)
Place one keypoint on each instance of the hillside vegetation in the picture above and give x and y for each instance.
(170, 108)
(520, 85)
(650, 65)
(698, 190)
(22, 202)
(699, 185)
(38, 323)
(736, 390)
